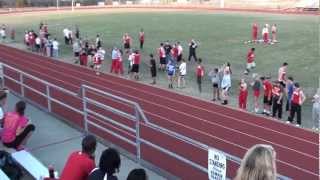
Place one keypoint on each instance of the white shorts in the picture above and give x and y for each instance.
(251, 65)
(97, 66)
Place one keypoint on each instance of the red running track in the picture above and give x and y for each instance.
(227, 129)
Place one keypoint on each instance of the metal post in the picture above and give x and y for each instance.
(138, 134)
(85, 114)
(21, 85)
(48, 97)
(72, 5)
(57, 4)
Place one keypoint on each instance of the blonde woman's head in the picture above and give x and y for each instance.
(258, 164)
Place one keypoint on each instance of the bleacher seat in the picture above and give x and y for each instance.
(34, 167)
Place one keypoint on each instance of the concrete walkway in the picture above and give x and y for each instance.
(54, 140)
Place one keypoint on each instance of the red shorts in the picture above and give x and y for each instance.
(256, 93)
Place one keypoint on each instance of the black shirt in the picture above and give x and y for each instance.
(97, 174)
(167, 48)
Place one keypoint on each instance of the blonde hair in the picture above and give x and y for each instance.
(259, 163)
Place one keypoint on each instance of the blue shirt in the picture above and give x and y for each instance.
(290, 91)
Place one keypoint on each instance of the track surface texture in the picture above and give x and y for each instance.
(224, 128)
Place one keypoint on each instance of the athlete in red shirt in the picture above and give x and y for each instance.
(141, 38)
(267, 101)
(135, 65)
(250, 60)
(80, 163)
(126, 42)
(200, 74)
(297, 100)
(277, 100)
(254, 33)
(162, 57)
(243, 94)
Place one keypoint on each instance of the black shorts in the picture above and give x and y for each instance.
(135, 68)
(17, 142)
(215, 85)
(163, 60)
(283, 84)
(126, 45)
(266, 101)
(199, 79)
(38, 46)
(76, 54)
(179, 58)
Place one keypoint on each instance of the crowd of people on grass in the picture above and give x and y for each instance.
(171, 61)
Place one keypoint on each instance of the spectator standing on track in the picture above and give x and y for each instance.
(170, 71)
(162, 57)
(55, 48)
(297, 100)
(277, 99)
(192, 50)
(153, 69)
(17, 128)
(26, 38)
(226, 83)
(259, 163)
(120, 64)
(38, 44)
(76, 50)
(130, 61)
(137, 174)
(180, 51)
(136, 64)
(109, 166)
(97, 63)
(289, 91)
(256, 86)
(282, 74)
(49, 48)
(141, 38)
(316, 112)
(215, 80)
(115, 60)
(182, 74)
(267, 98)
(200, 74)
(81, 163)
(250, 61)
(167, 48)
(83, 58)
(243, 94)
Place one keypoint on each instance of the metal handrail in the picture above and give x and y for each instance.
(139, 115)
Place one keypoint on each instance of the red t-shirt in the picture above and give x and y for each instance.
(136, 59)
(296, 96)
(200, 71)
(97, 60)
(78, 167)
(255, 29)
(141, 36)
(250, 56)
(175, 52)
(162, 53)
(267, 86)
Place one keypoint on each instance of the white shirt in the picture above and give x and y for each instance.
(101, 53)
(265, 30)
(180, 49)
(281, 74)
(226, 81)
(1, 113)
(38, 41)
(2, 32)
(55, 45)
(66, 32)
(183, 68)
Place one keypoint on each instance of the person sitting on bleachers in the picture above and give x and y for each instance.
(258, 163)
(108, 166)
(81, 163)
(137, 174)
(16, 128)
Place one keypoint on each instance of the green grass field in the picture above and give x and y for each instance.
(221, 36)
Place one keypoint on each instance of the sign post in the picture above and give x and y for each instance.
(217, 165)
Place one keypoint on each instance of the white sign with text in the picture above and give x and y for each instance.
(217, 165)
